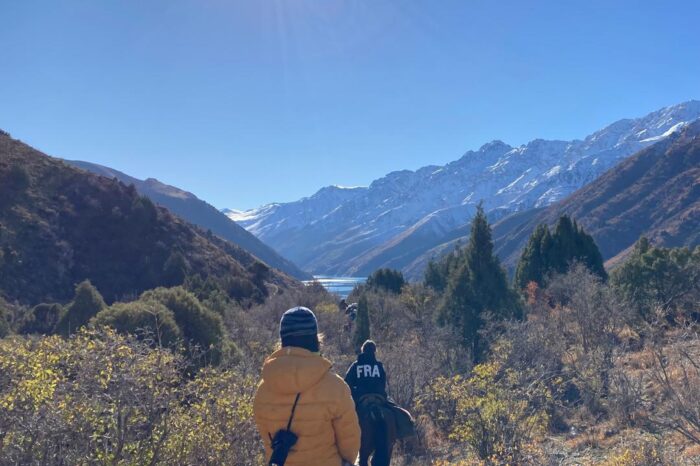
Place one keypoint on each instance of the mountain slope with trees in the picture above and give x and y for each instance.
(60, 225)
(194, 210)
(655, 193)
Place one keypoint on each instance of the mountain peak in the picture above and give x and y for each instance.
(495, 145)
(168, 190)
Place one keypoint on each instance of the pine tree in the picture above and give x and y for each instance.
(438, 271)
(362, 327)
(386, 279)
(476, 287)
(534, 260)
(587, 253)
(86, 303)
(433, 276)
(548, 253)
(564, 244)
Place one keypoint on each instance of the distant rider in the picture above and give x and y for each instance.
(351, 314)
(366, 375)
(367, 381)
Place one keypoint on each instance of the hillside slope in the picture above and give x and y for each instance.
(60, 225)
(399, 217)
(196, 211)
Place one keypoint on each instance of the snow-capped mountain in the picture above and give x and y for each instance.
(348, 231)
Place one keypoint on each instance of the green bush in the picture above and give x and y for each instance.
(146, 319)
(42, 319)
(664, 278)
(199, 326)
(85, 305)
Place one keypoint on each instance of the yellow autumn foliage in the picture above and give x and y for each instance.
(496, 418)
(101, 398)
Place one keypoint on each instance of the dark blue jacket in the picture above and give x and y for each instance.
(365, 376)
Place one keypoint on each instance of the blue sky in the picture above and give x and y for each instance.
(249, 102)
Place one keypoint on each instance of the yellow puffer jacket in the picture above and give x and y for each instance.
(325, 420)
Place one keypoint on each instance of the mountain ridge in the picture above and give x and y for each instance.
(199, 212)
(351, 233)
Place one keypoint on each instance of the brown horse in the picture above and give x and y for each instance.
(378, 424)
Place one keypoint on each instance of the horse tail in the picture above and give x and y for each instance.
(381, 432)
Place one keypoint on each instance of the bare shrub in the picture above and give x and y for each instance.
(676, 375)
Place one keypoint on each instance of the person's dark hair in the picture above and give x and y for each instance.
(307, 342)
(369, 347)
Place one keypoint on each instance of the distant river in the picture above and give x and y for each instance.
(342, 286)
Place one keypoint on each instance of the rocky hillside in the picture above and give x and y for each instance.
(194, 210)
(60, 225)
(394, 221)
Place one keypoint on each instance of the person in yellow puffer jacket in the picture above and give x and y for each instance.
(325, 420)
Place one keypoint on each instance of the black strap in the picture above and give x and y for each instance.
(296, 400)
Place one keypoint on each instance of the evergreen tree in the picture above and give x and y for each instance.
(534, 261)
(590, 255)
(476, 287)
(564, 244)
(86, 303)
(387, 280)
(433, 276)
(666, 278)
(362, 328)
(548, 253)
(438, 271)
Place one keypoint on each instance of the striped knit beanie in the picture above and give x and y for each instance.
(297, 322)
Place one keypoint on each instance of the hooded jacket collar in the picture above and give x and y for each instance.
(294, 370)
(366, 358)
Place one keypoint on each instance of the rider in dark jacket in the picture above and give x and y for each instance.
(366, 375)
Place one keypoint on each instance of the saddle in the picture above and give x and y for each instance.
(375, 405)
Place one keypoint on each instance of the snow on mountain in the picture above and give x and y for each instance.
(348, 231)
